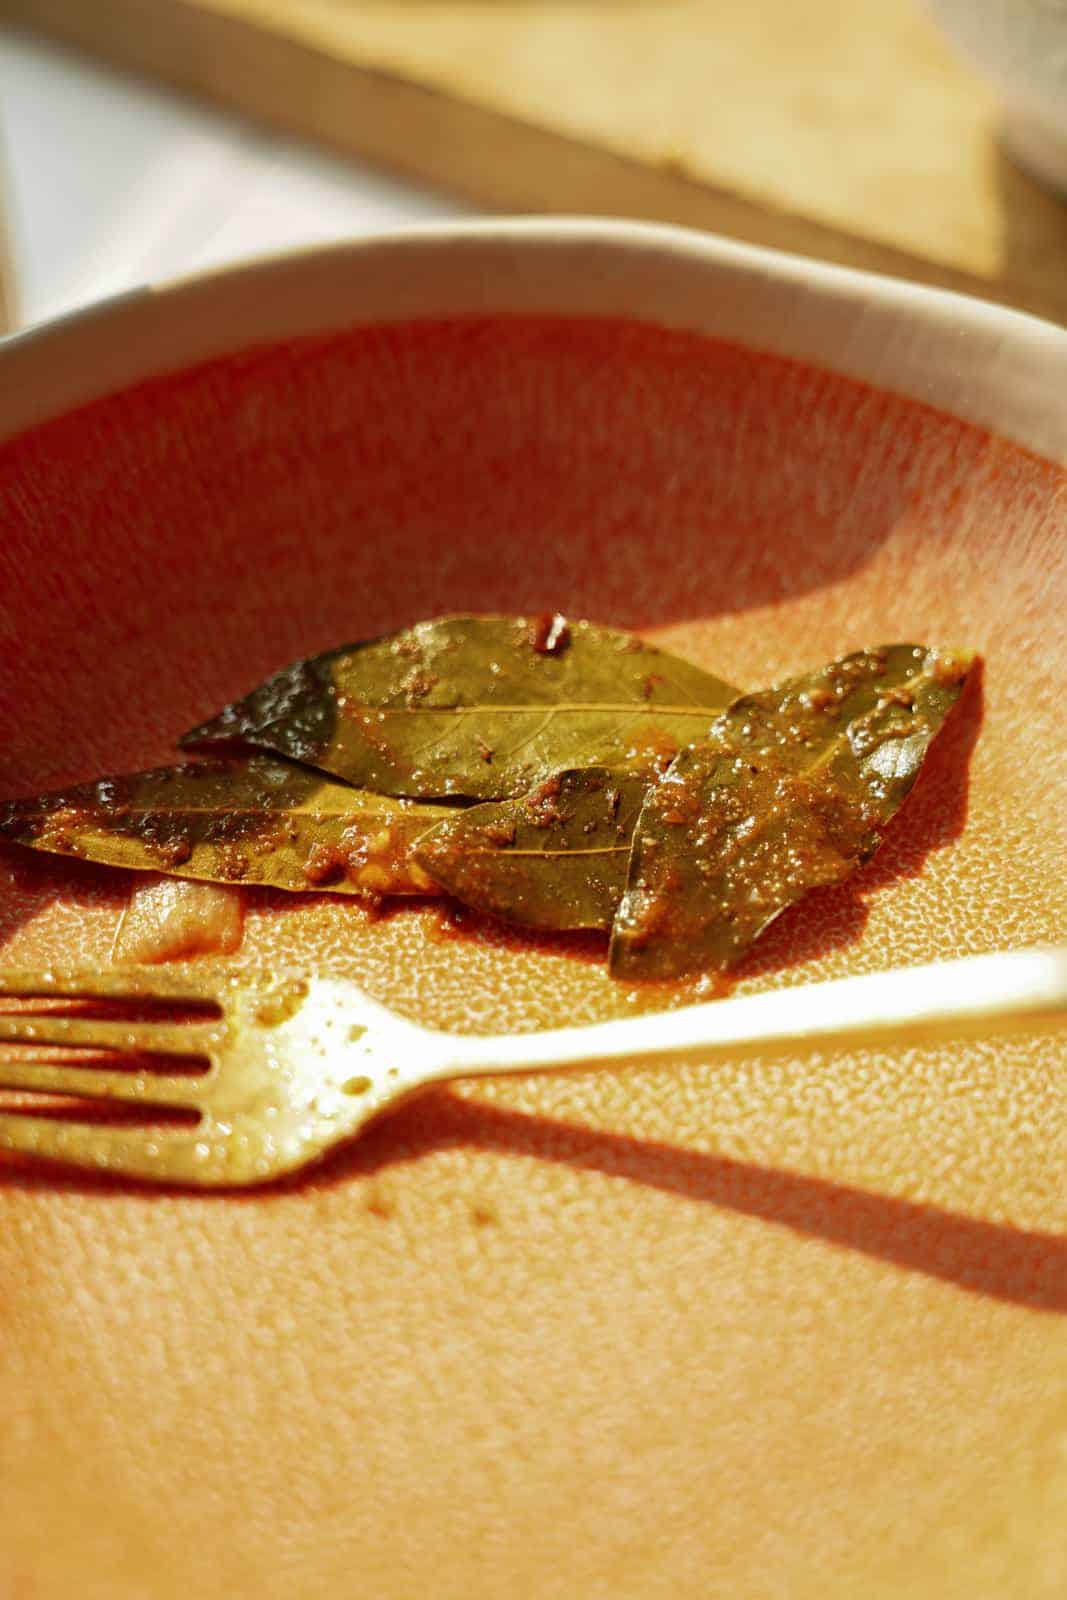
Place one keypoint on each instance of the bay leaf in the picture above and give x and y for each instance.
(240, 820)
(479, 707)
(789, 792)
(556, 858)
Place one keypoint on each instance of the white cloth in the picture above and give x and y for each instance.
(112, 182)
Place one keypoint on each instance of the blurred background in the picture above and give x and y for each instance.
(113, 180)
(146, 138)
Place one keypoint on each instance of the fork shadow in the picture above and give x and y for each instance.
(1018, 1266)
(1022, 1267)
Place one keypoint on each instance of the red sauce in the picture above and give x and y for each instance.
(550, 634)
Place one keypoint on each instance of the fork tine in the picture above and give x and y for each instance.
(93, 1083)
(100, 1149)
(139, 1038)
(120, 983)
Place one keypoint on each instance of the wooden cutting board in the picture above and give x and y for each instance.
(844, 129)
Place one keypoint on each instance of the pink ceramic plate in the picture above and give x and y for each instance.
(738, 1331)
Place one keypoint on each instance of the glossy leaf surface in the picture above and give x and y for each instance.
(240, 820)
(789, 793)
(479, 707)
(556, 858)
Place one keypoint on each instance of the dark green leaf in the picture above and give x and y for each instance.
(482, 707)
(556, 858)
(241, 820)
(789, 792)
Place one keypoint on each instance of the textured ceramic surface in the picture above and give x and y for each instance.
(791, 1329)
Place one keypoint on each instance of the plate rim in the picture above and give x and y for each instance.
(981, 362)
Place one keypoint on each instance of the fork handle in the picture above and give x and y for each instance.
(1014, 991)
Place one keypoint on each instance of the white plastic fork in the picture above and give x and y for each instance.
(296, 1064)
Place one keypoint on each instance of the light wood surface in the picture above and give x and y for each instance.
(846, 131)
(7, 265)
